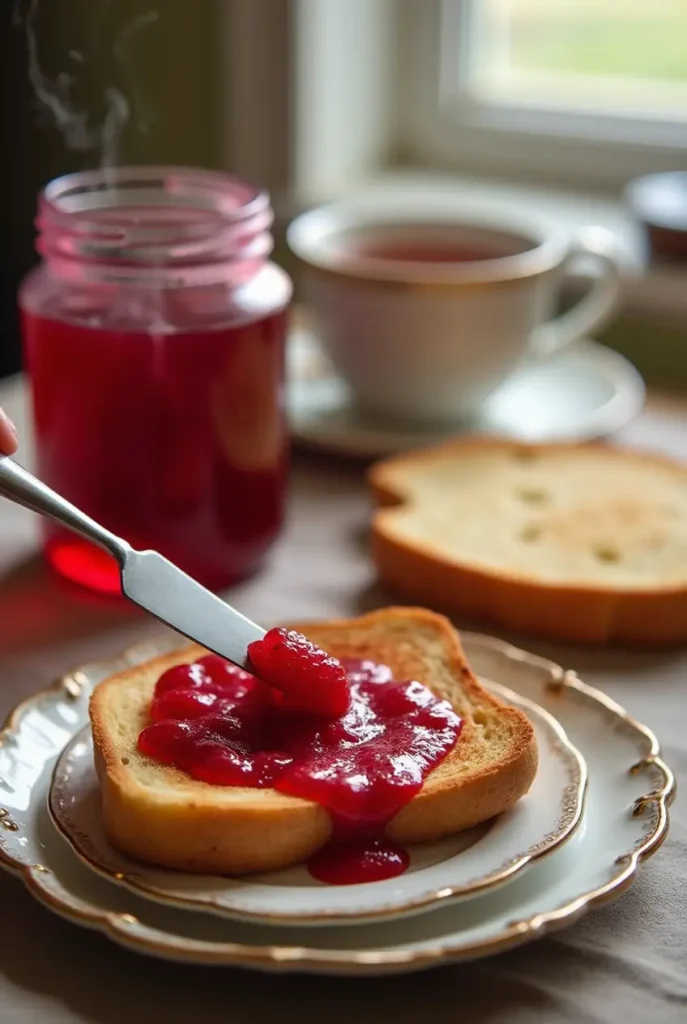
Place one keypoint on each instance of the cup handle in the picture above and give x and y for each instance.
(593, 247)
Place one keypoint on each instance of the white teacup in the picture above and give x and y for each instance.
(424, 317)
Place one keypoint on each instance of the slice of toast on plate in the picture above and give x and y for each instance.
(158, 814)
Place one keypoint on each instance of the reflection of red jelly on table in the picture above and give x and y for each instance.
(224, 726)
(154, 334)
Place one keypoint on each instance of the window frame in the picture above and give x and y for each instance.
(443, 124)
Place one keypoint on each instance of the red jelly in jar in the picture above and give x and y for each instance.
(154, 335)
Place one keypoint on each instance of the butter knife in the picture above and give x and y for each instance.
(148, 579)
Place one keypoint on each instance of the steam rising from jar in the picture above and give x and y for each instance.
(79, 128)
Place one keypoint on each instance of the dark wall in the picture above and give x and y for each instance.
(22, 161)
(162, 54)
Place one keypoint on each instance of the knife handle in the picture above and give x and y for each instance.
(20, 486)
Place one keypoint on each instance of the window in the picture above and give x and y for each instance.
(593, 55)
(564, 90)
(569, 93)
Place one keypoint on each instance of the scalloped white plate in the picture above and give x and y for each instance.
(625, 820)
(458, 867)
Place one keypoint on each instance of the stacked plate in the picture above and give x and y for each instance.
(597, 809)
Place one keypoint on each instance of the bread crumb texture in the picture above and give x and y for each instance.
(576, 515)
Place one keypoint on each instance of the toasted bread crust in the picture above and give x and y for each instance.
(591, 614)
(160, 815)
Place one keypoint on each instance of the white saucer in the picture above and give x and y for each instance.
(586, 392)
(458, 867)
(624, 822)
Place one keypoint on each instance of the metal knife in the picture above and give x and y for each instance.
(148, 579)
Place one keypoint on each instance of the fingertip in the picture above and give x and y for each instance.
(8, 435)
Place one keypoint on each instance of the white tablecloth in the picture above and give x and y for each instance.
(624, 963)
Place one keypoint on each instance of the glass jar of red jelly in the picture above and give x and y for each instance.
(154, 333)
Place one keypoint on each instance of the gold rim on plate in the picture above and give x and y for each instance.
(122, 927)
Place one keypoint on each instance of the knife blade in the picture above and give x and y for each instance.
(154, 583)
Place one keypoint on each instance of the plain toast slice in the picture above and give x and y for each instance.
(571, 542)
(157, 814)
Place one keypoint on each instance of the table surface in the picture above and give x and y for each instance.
(625, 962)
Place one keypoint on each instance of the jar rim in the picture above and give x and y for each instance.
(81, 192)
(153, 216)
